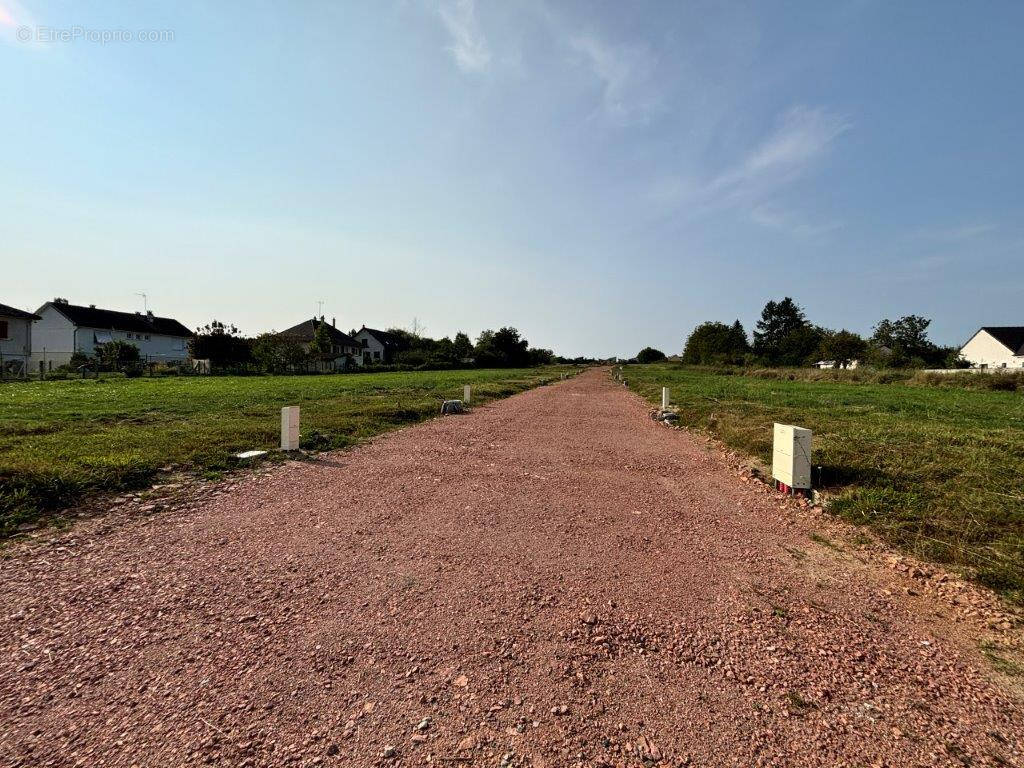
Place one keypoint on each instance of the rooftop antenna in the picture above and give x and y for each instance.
(145, 302)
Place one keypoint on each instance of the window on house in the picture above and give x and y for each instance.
(147, 337)
(3, 329)
(376, 355)
(102, 337)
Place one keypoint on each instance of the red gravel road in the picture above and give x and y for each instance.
(552, 580)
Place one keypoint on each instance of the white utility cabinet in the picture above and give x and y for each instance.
(290, 428)
(791, 456)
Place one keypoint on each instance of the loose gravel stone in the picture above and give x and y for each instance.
(556, 552)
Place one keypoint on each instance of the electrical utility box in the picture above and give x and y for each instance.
(791, 456)
(290, 428)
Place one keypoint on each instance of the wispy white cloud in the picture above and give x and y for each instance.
(469, 46)
(750, 185)
(802, 136)
(626, 74)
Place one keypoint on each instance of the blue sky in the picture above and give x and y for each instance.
(601, 175)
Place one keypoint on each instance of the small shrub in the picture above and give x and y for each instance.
(314, 440)
(649, 355)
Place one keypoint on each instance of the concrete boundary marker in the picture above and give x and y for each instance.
(290, 428)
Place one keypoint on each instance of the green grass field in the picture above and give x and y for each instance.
(938, 471)
(60, 440)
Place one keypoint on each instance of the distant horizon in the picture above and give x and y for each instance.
(603, 177)
(473, 335)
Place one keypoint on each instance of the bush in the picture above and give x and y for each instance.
(118, 355)
(649, 355)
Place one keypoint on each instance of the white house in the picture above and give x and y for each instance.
(343, 346)
(995, 346)
(376, 347)
(836, 364)
(15, 340)
(63, 329)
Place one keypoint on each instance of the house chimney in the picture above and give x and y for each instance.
(334, 322)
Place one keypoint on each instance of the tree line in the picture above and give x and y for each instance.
(784, 336)
(226, 348)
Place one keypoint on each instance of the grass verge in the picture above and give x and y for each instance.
(936, 470)
(61, 440)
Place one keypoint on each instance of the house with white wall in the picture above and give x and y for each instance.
(376, 347)
(823, 364)
(343, 346)
(64, 328)
(995, 346)
(15, 340)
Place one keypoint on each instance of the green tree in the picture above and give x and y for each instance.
(275, 353)
(444, 351)
(842, 346)
(462, 347)
(405, 340)
(716, 343)
(649, 355)
(503, 348)
(907, 341)
(541, 356)
(778, 320)
(800, 346)
(954, 359)
(220, 343)
(322, 345)
(117, 355)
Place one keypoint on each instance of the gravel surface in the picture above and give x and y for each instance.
(551, 580)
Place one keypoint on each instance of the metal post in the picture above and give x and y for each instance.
(465, 393)
(664, 398)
